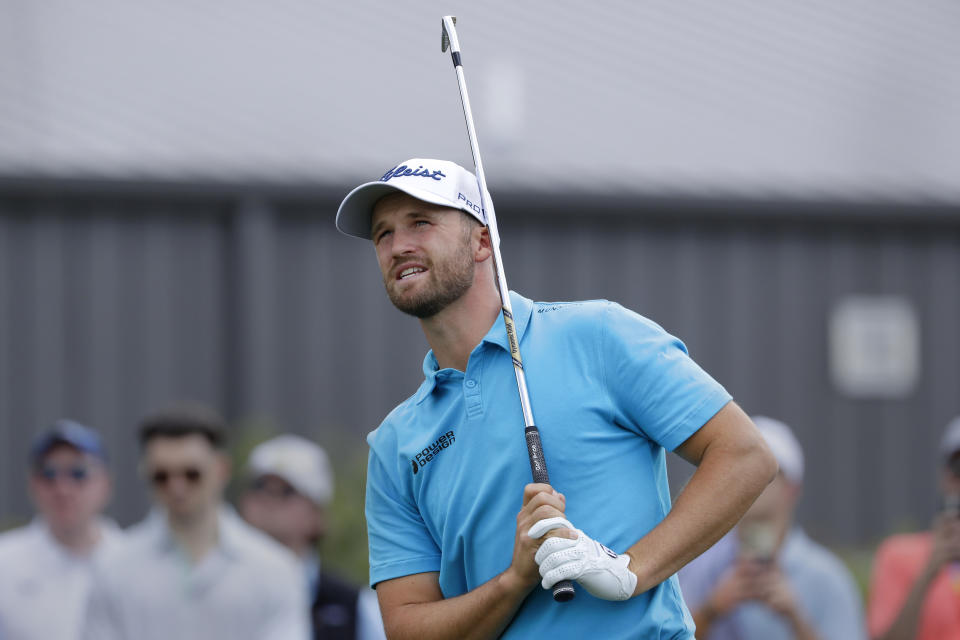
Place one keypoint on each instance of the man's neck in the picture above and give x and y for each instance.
(198, 535)
(79, 541)
(454, 332)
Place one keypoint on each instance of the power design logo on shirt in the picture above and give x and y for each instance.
(431, 452)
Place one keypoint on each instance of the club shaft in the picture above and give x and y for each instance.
(491, 217)
(564, 590)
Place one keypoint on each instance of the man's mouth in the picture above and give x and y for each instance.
(410, 271)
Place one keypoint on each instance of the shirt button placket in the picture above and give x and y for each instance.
(472, 398)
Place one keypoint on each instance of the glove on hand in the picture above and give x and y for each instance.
(603, 573)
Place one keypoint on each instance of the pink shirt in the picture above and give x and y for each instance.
(899, 562)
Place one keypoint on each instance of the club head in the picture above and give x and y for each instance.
(444, 36)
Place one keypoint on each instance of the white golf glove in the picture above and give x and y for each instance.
(603, 573)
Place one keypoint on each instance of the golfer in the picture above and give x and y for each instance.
(461, 545)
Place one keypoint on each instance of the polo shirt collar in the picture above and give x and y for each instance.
(497, 335)
(522, 310)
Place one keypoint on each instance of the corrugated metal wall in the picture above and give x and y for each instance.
(116, 300)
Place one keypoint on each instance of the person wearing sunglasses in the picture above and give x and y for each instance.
(915, 586)
(46, 566)
(193, 569)
(288, 492)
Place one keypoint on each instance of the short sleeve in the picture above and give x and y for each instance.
(400, 543)
(655, 387)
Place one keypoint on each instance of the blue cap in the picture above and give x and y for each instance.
(70, 433)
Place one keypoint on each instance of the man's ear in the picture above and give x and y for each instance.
(484, 248)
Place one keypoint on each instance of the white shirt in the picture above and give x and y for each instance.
(44, 586)
(247, 587)
(369, 622)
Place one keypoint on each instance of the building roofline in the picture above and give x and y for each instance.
(719, 207)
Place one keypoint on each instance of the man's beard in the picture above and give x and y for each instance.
(450, 281)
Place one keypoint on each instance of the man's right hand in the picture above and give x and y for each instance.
(540, 501)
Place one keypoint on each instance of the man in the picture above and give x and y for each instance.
(450, 555)
(767, 580)
(193, 568)
(45, 567)
(915, 588)
(290, 487)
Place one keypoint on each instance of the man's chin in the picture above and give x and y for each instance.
(417, 306)
(70, 522)
(419, 311)
(184, 514)
(426, 298)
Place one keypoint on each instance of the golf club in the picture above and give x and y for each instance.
(563, 590)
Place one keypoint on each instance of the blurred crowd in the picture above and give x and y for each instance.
(767, 579)
(197, 567)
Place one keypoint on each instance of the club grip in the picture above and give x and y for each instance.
(563, 591)
(535, 450)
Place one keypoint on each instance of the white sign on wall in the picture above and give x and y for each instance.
(874, 346)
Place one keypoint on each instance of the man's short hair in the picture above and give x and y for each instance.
(182, 421)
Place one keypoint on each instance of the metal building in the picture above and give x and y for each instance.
(759, 181)
(115, 300)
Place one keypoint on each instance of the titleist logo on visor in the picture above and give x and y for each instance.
(403, 171)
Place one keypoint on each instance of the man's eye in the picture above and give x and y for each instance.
(380, 236)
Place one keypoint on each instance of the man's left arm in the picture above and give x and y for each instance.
(734, 465)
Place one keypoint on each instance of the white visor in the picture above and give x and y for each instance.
(439, 182)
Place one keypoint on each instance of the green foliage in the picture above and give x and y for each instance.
(859, 561)
(345, 549)
(11, 522)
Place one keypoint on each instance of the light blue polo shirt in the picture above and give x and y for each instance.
(610, 392)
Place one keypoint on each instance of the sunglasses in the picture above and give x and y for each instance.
(76, 474)
(273, 489)
(161, 477)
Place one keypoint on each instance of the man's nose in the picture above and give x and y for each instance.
(403, 242)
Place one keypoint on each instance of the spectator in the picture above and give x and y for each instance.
(766, 579)
(915, 588)
(290, 488)
(193, 569)
(46, 566)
